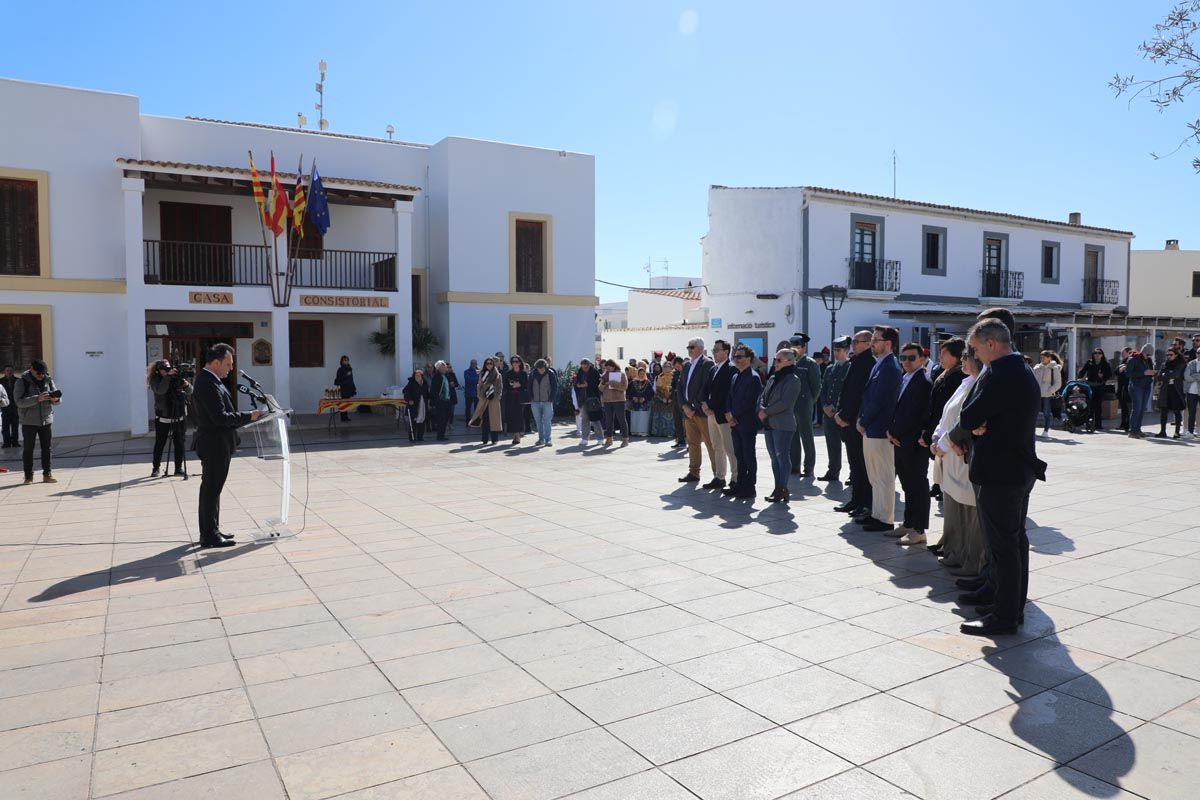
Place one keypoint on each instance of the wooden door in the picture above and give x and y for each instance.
(196, 244)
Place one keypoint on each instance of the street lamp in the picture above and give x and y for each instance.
(832, 297)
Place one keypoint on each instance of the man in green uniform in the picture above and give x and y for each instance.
(831, 392)
(810, 388)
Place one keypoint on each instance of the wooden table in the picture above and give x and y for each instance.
(335, 406)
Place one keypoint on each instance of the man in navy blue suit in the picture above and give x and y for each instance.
(741, 415)
(912, 460)
(996, 432)
(878, 408)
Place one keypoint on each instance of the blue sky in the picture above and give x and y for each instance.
(995, 106)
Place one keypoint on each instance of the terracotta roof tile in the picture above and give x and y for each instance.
(682, 294)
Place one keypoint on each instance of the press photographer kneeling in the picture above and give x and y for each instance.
(172, 392)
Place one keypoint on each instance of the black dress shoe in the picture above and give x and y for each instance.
(226, 536)
(875, 526)
(971, 584)
(988, 626)
(979, 598)
(730, 490)
(864, 518)
(745, 494)
(218, 542)
(936, 549)
(689, 478)
(984, 611)
(715, 483)
(828, 476)
(845, 508)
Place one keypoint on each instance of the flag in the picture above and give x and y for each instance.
(279, 203)
(260, 197)
(318, 203)
(299, 201)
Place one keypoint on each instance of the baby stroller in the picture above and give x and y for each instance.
(1077, 405)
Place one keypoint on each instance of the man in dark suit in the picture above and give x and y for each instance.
(878, 406)
(831, 393)
(911, 457)
(216, 420)
(742, 418)
(697, 374)
(849, 402)
(714, 409)
(996, 432)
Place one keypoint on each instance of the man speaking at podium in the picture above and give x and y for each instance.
(216, 420)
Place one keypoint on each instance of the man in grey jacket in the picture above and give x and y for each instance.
(36, 396)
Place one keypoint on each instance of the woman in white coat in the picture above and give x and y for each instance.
(963, 547)
(1049, 375)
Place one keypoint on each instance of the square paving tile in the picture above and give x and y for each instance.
(438, 701)
(688, 728)
(739, 666)
(799, 694)
(691, 642)
(1133, 689)
(1065, 783)
(891, 665)
(1058, 726)
(1113, 638)
(334, 723)
(556, 768)
(1045, 662)
(828, 642)
(631, 695)
(857, 784)
(866, 729)
(648, 785)
(1151, 761)
(497, 730)
(1180, 656)
(761, 767)
(965, 692)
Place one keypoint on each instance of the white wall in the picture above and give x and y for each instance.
(650, 309)
(482, 329)
(95, 398)
(1161, 283)
(641, 343)
(344, 335)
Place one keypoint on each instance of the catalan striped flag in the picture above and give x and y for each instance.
(299, 201)
(277, 220)
(260, 197)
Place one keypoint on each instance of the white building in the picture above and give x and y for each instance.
(659, 319)
(131, 237)
(922, 267)
(610, 316)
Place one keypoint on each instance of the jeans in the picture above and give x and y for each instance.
(31, 434)
(614, 418)
(744, 439)
(1193, 400)
(1047, 415)
(1163, 420)
(1138, 394)
(779, 448)
(543, 415)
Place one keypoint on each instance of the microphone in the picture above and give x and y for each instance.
(249, 380)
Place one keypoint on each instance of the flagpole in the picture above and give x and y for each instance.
(287, 275)
(262, 226)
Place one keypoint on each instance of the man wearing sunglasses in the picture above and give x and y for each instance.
(849, 402)
(912, 459)
(697, 374)
(878, 407)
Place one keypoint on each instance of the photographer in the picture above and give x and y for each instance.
(35, 396)
(171, 394)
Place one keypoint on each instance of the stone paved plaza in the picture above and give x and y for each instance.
(535, 624)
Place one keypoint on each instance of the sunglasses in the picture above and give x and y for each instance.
(908, 358)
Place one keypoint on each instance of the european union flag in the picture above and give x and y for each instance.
(318, 203)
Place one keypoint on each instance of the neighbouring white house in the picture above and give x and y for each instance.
(126, 237)
(610, 316)
(1166, 283)
(924, 268)
(659, 319)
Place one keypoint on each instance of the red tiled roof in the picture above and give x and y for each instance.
(239, 172)
(682, 294)
(935, 206)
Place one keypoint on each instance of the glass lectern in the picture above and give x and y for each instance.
(274, 452)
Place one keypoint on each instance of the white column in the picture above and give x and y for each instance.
(1072, 352)
(132, 190)
(281, 356)
(403, 210)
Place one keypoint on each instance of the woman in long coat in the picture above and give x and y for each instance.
(963, 547)
(591, 407)
(1170, 392)
(516, 397)
(345, 382)
(487, 414)
(416, 395)
(662, 415)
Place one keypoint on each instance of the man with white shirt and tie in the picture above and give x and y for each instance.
(693, 393)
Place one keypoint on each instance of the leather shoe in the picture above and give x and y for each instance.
(745, 494)
(971, 584)
(864, 519)
(730, 490)
(985, 611)
(715, 483)
(689, 478)
(218, 542)
(828, 476)
(845, 508)
(875, 526)
(226, 536)
(987, 626)
(978, 598)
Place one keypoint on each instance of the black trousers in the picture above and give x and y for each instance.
(32, 434)
(680, 431)
(528, 418)
(860, 488)
(485, 427)
(175, 432)
(1123, 403)
(214, 460)
(10, 420)
(417, 433)
(471, 400)
(1002, 511)
(440, 411)
(1097, 406)
(912, 468)
(745, 437)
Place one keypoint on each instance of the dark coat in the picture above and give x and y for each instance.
(696, 390)
(435, 388)
(1008, 399)
(471, 382)
(345, 380)
(414, 393)
(638, 397)
(912, 410)
(850, 401)
(1170, 385)
(944, 387)
(718, 390)
(216, 417)
(744, 393)
(832, 382)
(170, 396)
(1095, 373)
(879, 397)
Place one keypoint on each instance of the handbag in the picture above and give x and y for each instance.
(593, 404)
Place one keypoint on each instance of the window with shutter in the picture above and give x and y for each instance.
(531, 260)
(531, 340)
(306, 343)
(20, 339)
(19, 241)
(1196, 284)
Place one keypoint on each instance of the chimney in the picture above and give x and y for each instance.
(1075, 218)
(1172, 244)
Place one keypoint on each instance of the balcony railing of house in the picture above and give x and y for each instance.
(1002, 283)
(874, 275)
(206, 264)
(1101, 292)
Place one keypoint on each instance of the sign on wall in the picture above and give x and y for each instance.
(714, 323)
(210, 298)
(745, 326)
(341, 301)
(260, 353)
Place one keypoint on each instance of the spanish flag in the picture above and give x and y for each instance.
(260, 197)
(299, 201)
(279, 203)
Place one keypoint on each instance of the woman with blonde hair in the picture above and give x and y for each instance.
(1049, 375)
(487, 412)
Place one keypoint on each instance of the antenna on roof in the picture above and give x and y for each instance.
(893, 174)
(322, 123)
(301, 120)
(390, 130)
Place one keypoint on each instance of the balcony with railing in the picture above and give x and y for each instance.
(1101, 292)
(1002, 284)
(876, 275)
(206, 264)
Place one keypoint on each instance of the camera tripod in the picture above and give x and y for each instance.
(177, 432)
